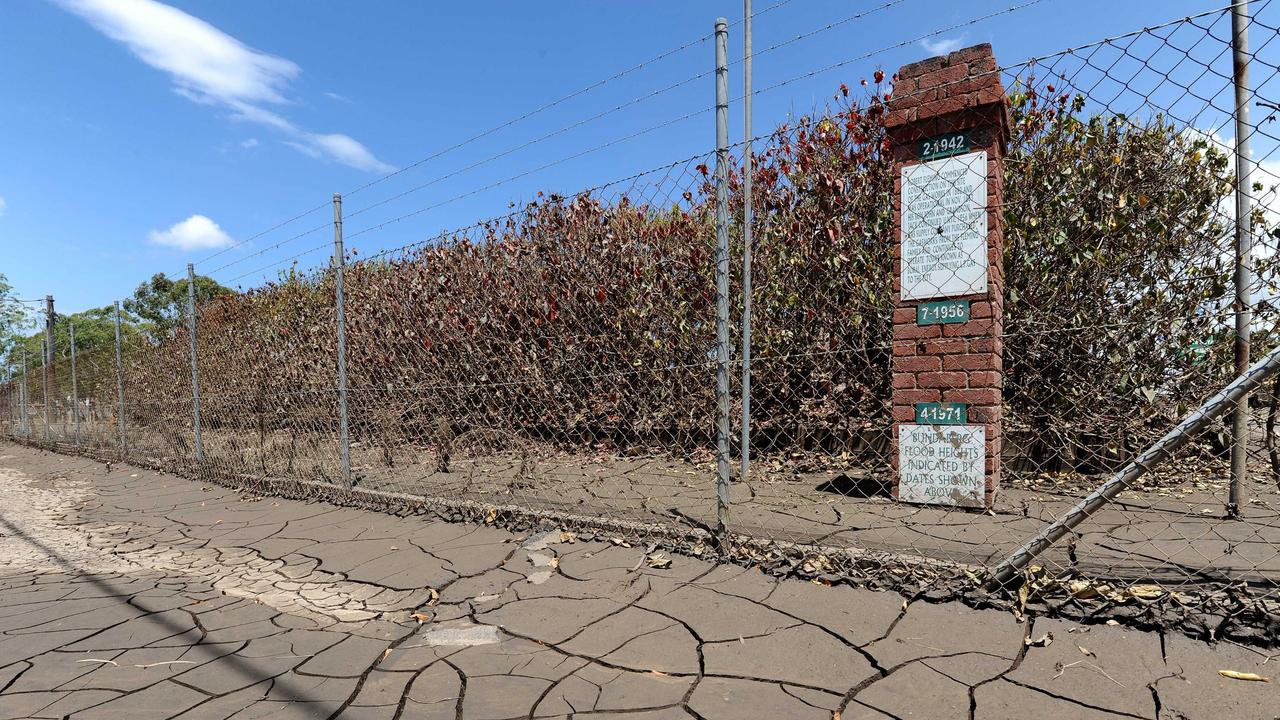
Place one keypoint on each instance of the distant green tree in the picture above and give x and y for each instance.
(95, 330)
(161, 302)
(14, 318)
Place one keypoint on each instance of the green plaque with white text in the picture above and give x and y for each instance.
(945, 413)
(944, 146)
(942, 312)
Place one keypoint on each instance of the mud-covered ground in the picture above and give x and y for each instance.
(134, 594)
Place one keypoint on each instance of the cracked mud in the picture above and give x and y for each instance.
(134, 594)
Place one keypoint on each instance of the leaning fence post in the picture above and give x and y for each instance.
(120, 423)
(195, 370)
(1215, 407)
(75, 385)
(722, 280)
(1244, 251)
(339, 262)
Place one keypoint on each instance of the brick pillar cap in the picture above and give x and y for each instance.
(948, 93)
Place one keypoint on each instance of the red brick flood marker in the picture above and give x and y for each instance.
(948, 128)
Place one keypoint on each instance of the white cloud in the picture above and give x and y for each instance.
(342, 148)
(201, 59)
(195, 233)
(337, 98)
(212, 68)
(942, 46)
(250, 143)
(4, 205)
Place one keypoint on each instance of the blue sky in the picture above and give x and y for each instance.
(136, 137)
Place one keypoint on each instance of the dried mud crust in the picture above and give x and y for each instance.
(920, 552)
(146, 595)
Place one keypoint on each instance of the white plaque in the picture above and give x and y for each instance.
(942, 464)
(944, 227)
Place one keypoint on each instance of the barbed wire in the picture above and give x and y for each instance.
(672, 121)
(538, 140)
(497, 128)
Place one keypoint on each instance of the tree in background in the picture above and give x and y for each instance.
(160, 302)
(155, 310)
(13, 319)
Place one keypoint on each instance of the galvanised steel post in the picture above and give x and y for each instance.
(339, 262)
(1244, 251)
(195, 370)
(722, 280)
(44, 348)
(748, 166)
(25, 420)
(75, 385)
(48, 362)
(120, 422)
(8, 395)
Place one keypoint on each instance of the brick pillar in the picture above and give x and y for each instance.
(934, 102)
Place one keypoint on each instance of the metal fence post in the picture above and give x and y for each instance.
(24, 420)
(75, 385)
(1244, 251)
(44, 349)
(195, 370)
(48, 361)
(339, 262)
(120, 423)
(11, 405)
(748, 213)
(722, 280)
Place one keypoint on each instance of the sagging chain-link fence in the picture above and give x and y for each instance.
(561, 361)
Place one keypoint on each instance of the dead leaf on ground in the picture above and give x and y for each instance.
(421, 617)
(1043, 641)
(568, 537)
(1251, 677)
(658, 561)
(1146, 592)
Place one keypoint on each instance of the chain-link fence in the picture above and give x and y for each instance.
(559, 363)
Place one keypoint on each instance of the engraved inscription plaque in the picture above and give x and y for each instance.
(944, 227)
